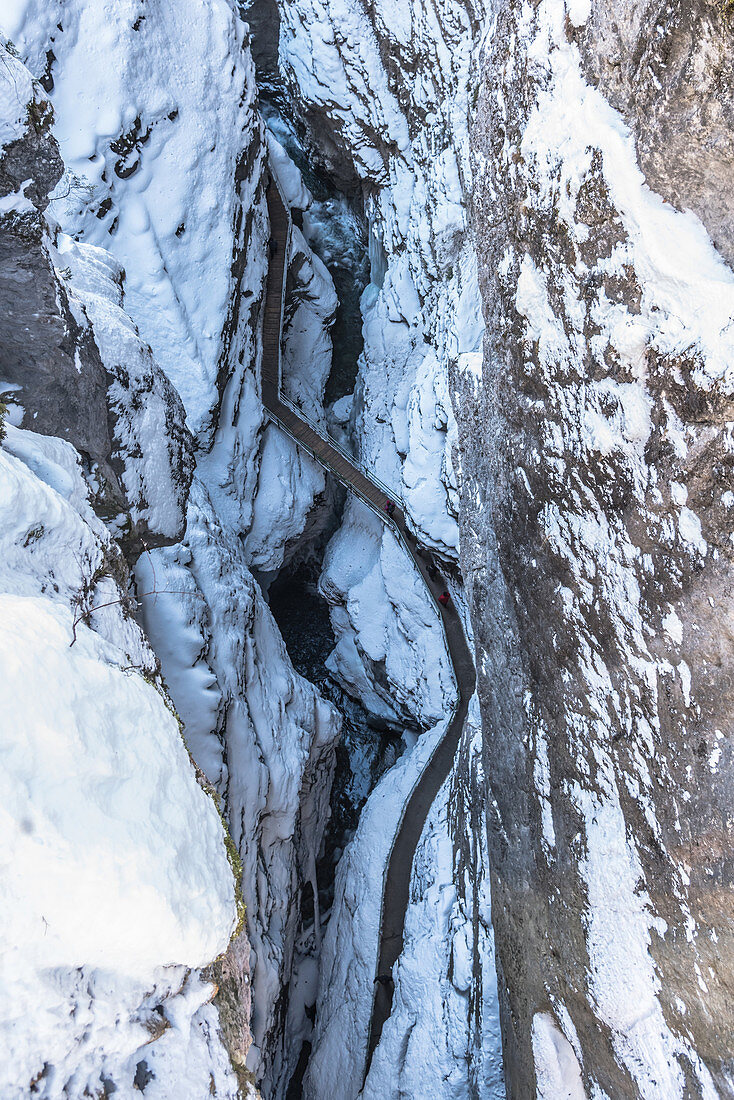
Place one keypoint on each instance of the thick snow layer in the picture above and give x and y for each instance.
(424, 1049)
(154, 109)
(557, 1070)
(239, 698)
(390, 649)
(443, 981)
(310, 312)
(350, 945)
(89, 803)
(289, 178)
(114, 873)
(150, 441)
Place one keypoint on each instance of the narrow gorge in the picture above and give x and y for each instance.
(366, 540)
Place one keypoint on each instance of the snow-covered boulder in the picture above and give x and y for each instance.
(115, 877)
(390, 650)
(262, 734)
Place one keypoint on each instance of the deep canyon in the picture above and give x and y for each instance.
(508, 302)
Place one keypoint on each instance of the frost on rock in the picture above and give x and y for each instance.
(113, 898)
(596, 453)
(385, 94)
(262, 734)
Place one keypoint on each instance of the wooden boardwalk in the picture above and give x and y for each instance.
(396, 882)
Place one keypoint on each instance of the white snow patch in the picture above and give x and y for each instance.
(557, 1069)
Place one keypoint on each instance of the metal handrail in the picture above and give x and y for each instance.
(400, 535)
(351, 459)
(389, 492)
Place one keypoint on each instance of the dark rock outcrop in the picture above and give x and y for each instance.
(117, 408)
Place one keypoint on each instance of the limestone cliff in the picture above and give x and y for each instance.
(597, 542)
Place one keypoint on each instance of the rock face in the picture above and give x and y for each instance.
(392, 123)
(154, 265)
(671, 75)
(597, 548)
(594, 450)
(93, 384)
(547, 384)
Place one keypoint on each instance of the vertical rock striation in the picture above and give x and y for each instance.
(597, 544)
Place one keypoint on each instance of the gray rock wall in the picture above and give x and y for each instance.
(72, 363)
(596, 544)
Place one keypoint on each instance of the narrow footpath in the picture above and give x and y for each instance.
(396, 881)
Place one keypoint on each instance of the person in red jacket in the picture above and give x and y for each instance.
(444, 598)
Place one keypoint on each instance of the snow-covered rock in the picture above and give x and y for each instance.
(161, 243)
(384, 95)
(115, 877)
(73, 362)
(151, 448)
(596, 542)
(263, 735)
(153, 115)
(390, 650)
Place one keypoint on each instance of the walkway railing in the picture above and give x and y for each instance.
(390, 494)
(334, 458)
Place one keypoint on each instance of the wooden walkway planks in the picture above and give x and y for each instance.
(396, 882)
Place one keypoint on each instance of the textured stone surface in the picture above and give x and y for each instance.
(670, 70)
(117, 408)
(596, 544)
(49, 364)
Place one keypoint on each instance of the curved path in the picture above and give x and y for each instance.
(396, 882)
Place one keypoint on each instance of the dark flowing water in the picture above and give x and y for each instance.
(366, 748)
(335, 227)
